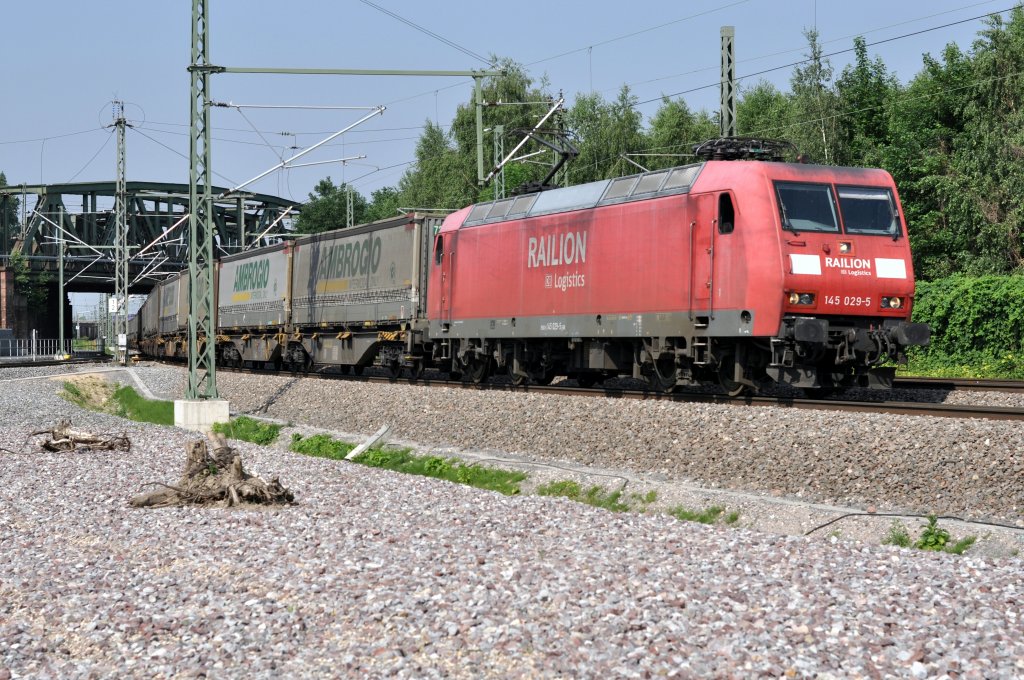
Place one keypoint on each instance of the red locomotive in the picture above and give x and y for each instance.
(738, 272)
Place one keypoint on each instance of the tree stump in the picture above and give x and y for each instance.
(215, 479)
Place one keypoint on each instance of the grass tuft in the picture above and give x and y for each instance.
(401, 460)
(249, 430)
(320, 446)
(708, 515)
(451, 469)
(898, 535)
(595, 495)
(130, 404)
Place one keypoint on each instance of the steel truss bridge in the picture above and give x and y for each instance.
(82, 216)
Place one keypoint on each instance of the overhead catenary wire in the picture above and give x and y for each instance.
(800, 49)
(824, 56)
(89, 162)
(178, 153)
(426, 31)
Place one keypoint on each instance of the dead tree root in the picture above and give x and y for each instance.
(63, 438)
(215, 478)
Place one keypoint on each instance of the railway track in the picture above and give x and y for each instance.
(21, 363)
(952, 384)
(848, 406)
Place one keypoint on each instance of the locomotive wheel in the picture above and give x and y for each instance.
(663, 375)
(394, 368)
(478, 371)
(545, 377)
(586, 380)
(357, 370)
(725, 377)
(517, 380)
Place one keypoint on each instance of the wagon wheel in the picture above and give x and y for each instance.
(394, 368)
(357, 370)
(664, 374)
(586, 380)
(416, 369)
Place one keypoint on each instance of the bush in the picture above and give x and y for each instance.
(977, 327)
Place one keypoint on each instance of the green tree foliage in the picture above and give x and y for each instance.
(9, 218)
(763, 111)
(327, 208)
(815, 106)
(607, 131)
(863, 91)
(673, 131)
(384, 203)
(441, 178)
(32, 286)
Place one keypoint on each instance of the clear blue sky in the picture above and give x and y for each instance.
(67, 59)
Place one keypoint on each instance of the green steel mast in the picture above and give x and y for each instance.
(202, 327)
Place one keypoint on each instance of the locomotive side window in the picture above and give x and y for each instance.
(806, 207)
(726, 214)
(869, 210)
(439, 249)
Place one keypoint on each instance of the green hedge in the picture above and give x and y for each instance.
(977, 326)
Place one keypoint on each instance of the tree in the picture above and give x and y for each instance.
(815, 106)
(384, 203)
(515, 103)
(864, 90)
(441, 178)
(762, 111)
(673, 132)
(607, 131)
(327, 208)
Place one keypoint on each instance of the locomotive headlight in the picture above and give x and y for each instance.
(893, 302)
(794, 298)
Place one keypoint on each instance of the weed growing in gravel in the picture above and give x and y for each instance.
(401, 460)
(451, 469)
(131, 405)
(74, 395)
(320, 446)
(897, 535)
(595, 495)
(709, 515)
(932, 538)
(249, 430)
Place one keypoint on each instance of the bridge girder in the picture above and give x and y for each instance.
(152, 208)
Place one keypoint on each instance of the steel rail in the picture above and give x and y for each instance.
(51, 362)
(953, 384)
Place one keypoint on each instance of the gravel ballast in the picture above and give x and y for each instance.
(377, 574)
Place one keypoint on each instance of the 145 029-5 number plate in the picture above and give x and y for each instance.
(848, 300)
